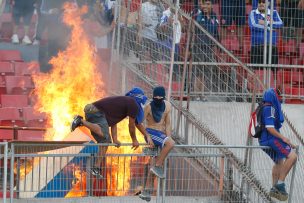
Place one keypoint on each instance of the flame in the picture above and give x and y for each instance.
(78, 183)
(118, 178)
(73, 81)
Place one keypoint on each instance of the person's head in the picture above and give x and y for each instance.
(262, 6)
(206, 6)
(159, 94)
(272, 96)
(138, 94)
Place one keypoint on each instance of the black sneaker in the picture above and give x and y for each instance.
(96, 172)
(76, 122)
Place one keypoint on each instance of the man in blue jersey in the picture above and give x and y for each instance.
(280, 146)
(257, 20)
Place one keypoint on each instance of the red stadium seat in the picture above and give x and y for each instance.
(301, 50)
(260, 74)
(6, 134)
(10, 55)
(6, 68)
(30, 135)
(18, 101)
(295, 91)
(289, 47)
(33, 118)
(26, 68)
(18, 84)
(9, 115)
(292, 77)
(284, 60)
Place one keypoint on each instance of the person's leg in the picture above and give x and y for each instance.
(16, 18)
(27, 17)
(98, 125)
(282, 151)
(166, 143)
(240, 21)
(288, 164)
(276, 170)
(169, 144)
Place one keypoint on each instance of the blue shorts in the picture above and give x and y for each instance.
(159, 138)
(233, 11)
(279, 149)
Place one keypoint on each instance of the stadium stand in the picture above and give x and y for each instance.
(220, 120)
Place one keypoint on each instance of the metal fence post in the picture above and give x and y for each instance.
(5, 172)
(293, 177)
(12, 174)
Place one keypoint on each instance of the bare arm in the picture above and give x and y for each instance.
(168, 124)
(275, 133)
(132, 133)
(114, 135)
(301, 5)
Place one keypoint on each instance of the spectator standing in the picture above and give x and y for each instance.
(148, 20)
(165, 36)
(158, 125)
(93, 26)
(233, 11)
(280, 146)
(292, 12)
(107, 112)
(22, 9)
(50, 14)
(203, 46)
(257, 20)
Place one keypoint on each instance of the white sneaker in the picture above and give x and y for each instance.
(36, 42)
(26, 40)
(15, 39)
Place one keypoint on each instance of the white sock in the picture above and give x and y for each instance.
(280, 182)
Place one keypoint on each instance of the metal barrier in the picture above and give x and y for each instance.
(204, 172)
(3, 169)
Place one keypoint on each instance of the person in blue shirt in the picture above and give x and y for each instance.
(280, 146)
(256, 22)
(203, 47)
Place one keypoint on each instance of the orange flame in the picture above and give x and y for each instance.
(73, 81)
(121, 168)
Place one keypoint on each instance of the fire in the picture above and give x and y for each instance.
(118, 178)
(79, 184)
(73, 81)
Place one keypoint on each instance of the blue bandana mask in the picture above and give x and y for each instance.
(271, 97)
(140, 98)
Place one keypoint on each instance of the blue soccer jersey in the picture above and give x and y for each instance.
(279, 149)
(270, 120)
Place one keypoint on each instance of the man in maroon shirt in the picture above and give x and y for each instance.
(109, 111)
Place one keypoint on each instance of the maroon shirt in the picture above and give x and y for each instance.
(117, 108)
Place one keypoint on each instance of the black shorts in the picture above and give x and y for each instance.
(23, 12)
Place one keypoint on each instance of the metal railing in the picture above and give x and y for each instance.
(206, 172)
